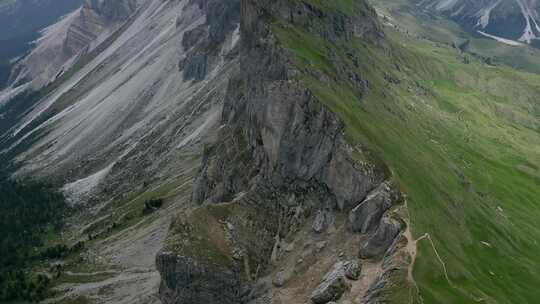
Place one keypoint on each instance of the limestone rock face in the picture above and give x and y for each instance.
(280, 150)
(332, 287)
(381, 240)
(186, 281)
(289, 139)
(219, 246)
(366, 216)
(395, 264)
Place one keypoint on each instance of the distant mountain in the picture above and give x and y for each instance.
(21, 21)
(511, 19)
(62, 44)
(20, 17)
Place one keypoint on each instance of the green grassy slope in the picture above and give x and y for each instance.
(429, 25)
(464, 142)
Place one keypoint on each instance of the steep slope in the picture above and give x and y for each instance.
(287, 204)
(459, 137)
(134, 88)
(349, 162)
(405, 16)
(445, 128)
(126, 126)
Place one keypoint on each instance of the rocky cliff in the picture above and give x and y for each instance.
(319, 121)
(283, 196)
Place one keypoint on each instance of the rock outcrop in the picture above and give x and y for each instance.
(185, 280)
(381, 239)
(280, 150)
(352, 270)
(203, 43)
(289, 135)
(332, 287)
(367, 215)
(219, 246)
(111, 11)
(395, 266)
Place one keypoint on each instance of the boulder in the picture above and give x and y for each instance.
(320, 222)
(279, 279)
(352, 270)
(366, 216)
(379, 242)
(332, 287)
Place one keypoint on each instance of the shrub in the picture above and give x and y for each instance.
(152, 205)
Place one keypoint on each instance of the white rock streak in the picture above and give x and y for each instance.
(481, 12)
(80, 190)
(485, 14)
(530, 17)
(502, 40)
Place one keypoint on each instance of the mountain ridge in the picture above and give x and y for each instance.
(289, 151)
(300, 179)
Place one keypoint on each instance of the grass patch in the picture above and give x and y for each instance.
(200, 236)
(455, 135)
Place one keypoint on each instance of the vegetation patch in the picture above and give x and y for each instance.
(152, 205)
(29, 212)
(200, 235)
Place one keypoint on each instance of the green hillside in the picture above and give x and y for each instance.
(463, 139)
(428, 25)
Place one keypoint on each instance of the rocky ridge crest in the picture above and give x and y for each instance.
(281, 167)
